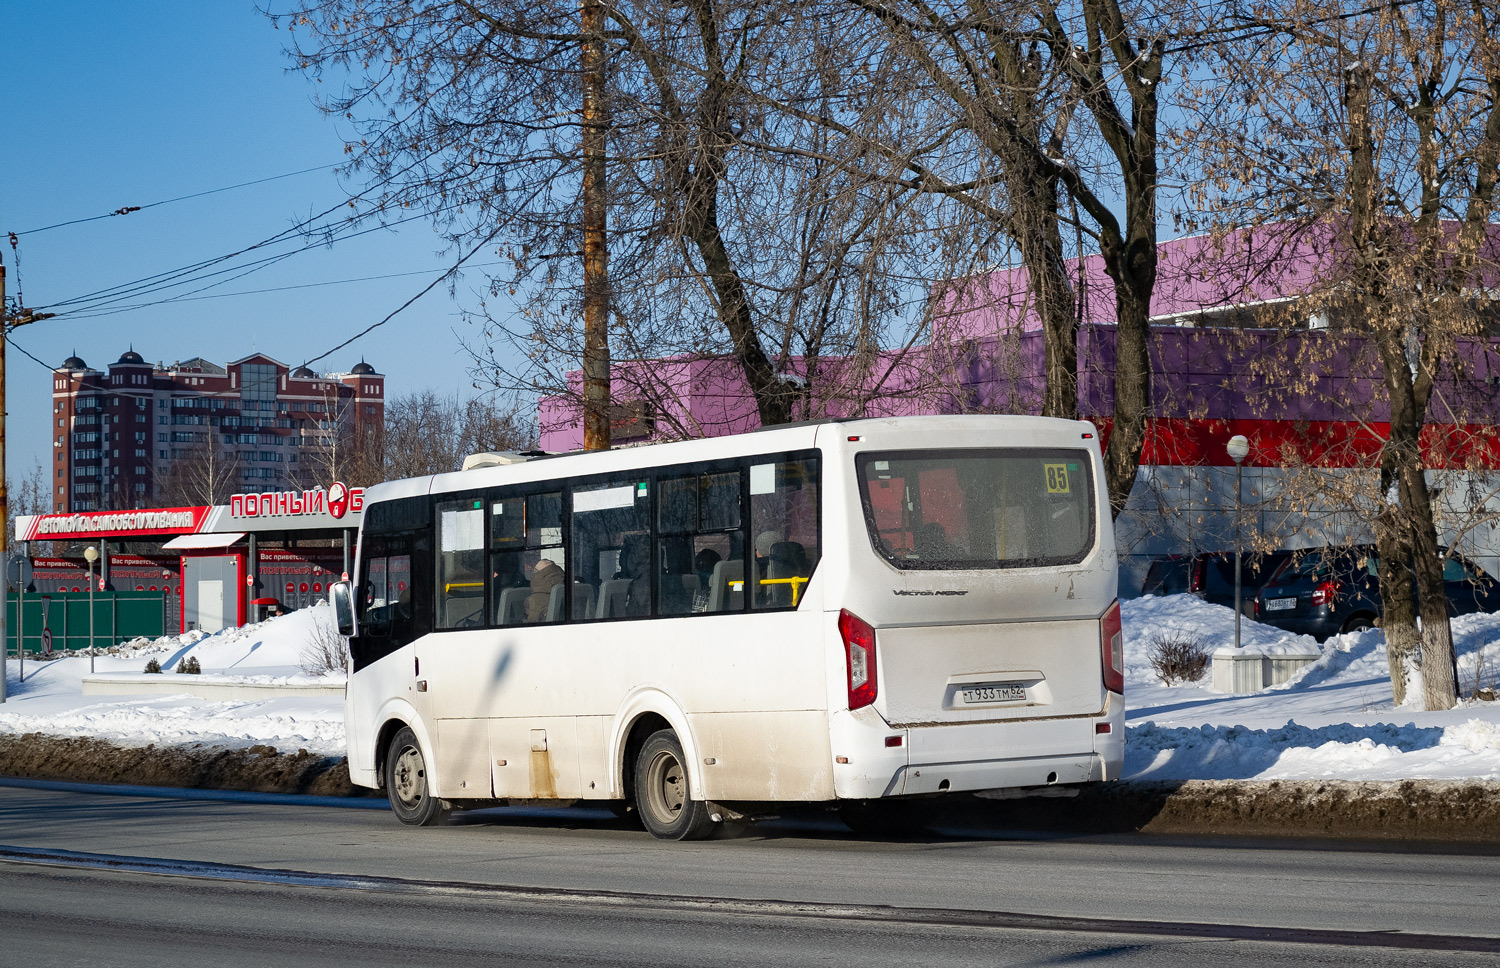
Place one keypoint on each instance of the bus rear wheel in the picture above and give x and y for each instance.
(663, 793)
(406, 783)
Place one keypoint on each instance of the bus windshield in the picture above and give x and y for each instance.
(966, 509)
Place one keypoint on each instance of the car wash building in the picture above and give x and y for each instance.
(208, 567)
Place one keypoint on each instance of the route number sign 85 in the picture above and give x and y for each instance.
(1057, 478)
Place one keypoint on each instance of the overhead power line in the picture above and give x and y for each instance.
(328, 282)
(130, 209)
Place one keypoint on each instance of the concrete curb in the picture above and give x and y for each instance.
(1434, 810)
(203, 687)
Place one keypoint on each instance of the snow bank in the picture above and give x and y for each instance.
(1333, 721)
(50, 699)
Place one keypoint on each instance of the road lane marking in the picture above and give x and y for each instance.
(818, 910)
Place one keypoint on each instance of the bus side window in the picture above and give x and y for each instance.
(612, 549)
(509, 578)
(375, 618)
(698, 522)
(460, 584)
(388, 614)
(784, 520)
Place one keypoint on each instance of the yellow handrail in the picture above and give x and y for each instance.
(794, 581)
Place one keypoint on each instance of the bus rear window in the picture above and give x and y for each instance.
(964, 509)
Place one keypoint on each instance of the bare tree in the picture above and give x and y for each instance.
(1369, 143)
(431, 434)
(1032, 113)
(201, 472)
(26, 495)
(731, 252)
(339, 447)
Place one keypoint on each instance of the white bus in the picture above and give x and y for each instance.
(847, 612)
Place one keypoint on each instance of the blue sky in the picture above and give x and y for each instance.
(108, 104)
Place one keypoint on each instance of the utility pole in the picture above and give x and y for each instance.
(4, 497)
(7, 323)
(593, 139)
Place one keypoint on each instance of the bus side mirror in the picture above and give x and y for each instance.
(341, 594)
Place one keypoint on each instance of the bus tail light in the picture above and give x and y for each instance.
(1112, 647)
(859, 654)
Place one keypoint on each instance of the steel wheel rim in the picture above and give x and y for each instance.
(668, 786)
(409, 776)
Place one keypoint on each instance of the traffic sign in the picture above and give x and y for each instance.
(46, 641)
(18, 572)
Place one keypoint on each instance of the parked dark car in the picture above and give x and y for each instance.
(1333, 590)
(1210, 575)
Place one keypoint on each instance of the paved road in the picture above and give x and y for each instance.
(805, 892)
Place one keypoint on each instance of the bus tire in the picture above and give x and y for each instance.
(406, 783)
(663, 793)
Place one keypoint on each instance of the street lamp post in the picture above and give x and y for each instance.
(91, 554)
(1238, 448)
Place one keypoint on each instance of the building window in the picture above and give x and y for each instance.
(258, 381)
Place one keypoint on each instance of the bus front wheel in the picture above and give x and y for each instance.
(663, 794)
(406, 783)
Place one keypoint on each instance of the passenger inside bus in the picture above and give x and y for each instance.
(544, 577)
(635, 568)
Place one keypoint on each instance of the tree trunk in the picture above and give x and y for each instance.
(1439, 682)
(1398, 607)
(1439, 685)
(596, 390)
(1133, 269)
(1040, 241)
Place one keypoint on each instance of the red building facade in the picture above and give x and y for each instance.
(131, 435)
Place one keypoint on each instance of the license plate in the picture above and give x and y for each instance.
(1280, 604)
(993, 692)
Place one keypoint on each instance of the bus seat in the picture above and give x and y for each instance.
(722, 597)
(612, 598)
(462, 613)
(583, 601)
(512, 607)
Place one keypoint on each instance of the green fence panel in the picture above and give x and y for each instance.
(118, 616)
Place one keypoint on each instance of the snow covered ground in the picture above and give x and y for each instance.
(1334, 721)
(50, 700)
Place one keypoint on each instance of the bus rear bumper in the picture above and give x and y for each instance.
(971, 756)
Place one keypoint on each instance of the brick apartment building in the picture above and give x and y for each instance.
(128, 436)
